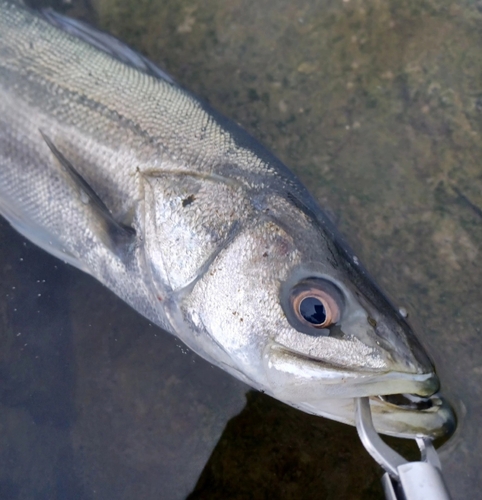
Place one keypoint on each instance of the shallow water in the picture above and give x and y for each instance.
(377, 106)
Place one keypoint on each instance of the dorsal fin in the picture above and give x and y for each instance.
(119, 234)
(105, 42)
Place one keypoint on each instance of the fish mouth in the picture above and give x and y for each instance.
(410, 415)
(410, 401)
(402, 404)
(398, 388)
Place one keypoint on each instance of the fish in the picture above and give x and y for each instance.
(107, 163)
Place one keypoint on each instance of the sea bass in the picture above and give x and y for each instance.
(108, 164)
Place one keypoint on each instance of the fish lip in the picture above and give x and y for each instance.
(410, 402)
(439, 411)
(423, 385)
(354, 369)
(327, 390)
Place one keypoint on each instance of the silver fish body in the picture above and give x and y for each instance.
(206, 234)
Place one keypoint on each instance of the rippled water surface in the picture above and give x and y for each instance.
(377, 106)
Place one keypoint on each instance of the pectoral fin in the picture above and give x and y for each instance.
(119, 235)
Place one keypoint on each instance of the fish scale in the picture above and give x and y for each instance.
(108, 164)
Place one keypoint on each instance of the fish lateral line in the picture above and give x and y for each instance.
(119, 233)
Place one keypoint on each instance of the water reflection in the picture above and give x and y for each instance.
(95, 402)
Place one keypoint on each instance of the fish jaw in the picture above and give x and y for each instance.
(324, 390)
(435, 422)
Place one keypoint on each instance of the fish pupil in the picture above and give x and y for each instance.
(313, 310)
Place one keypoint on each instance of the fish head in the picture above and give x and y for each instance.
(286, 307)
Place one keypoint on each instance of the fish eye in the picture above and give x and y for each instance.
(314, 305)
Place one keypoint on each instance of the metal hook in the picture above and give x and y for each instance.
(403, 480)
(389, 459)
(428, 452)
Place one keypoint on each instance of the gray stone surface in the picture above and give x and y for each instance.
(377, 106)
